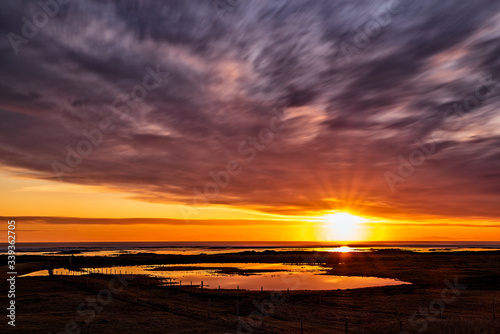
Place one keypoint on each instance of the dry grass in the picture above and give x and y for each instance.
(46, 305)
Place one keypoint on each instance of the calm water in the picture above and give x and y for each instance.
(195, 248)
(91, 251)
(268, 276)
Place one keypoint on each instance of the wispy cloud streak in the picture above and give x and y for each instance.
(224, 78)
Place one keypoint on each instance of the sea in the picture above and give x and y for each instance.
(220, 247)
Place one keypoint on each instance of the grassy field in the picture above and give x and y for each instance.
(451, 293)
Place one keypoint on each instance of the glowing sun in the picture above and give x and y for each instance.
(343, 226)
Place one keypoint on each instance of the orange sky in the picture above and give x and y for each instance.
(280, 122)
(105, 216)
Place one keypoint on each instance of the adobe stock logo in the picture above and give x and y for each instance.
(420, 320)
(366, 33)
(30, 28)
(222, 7)
(452, 121)
(122, 107)
(247, 150)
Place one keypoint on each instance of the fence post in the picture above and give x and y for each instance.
(396, 311)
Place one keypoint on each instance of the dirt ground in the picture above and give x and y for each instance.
(451, 293)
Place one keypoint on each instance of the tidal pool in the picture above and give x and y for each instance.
(254, 276)
(246, 276)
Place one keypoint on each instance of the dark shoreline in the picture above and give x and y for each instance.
(477, 268)
(47, 304)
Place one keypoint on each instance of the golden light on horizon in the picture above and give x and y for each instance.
(343, 226)
(344, 249)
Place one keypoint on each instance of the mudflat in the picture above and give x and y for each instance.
(451, 292)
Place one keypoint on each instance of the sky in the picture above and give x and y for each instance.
(250, 120)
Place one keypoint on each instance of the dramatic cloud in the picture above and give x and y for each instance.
(386, 107)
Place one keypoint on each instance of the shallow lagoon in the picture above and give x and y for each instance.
(246, 276)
